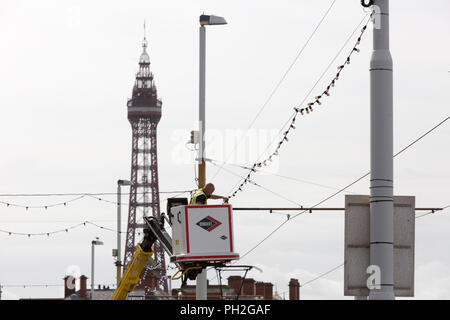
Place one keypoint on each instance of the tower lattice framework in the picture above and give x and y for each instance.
(144, 113)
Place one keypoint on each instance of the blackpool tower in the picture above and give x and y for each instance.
(144, 113)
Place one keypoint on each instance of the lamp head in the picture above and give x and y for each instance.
(211, 20)
(97, 242)
(124, 183)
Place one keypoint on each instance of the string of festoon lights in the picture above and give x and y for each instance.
(57, 204)
(46, 206)
(303, 111)
(64, 203)
(49, 233)
(24, 286)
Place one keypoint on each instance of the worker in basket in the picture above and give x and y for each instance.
(201, 196)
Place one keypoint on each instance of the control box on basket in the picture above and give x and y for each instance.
(203, 233)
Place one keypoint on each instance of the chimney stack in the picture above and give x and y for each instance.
(83, 286)
(259, 289)
(69, 286)
(294, 289)
(248, 288)
(235, 282)
(268, 291)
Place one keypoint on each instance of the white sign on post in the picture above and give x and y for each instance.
(358, 275)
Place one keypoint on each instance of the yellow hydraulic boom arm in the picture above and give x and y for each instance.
(154, 231)
(131, 275)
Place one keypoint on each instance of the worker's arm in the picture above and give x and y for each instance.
(131, 275)
(215, 196)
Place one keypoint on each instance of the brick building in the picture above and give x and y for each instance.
(237, 287)
(101, 293)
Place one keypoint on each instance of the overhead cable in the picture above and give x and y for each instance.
(342, 189)
(277, 86)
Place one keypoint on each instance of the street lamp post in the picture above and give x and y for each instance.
(204, 20)
(119, 227)
(381, 158)
(93, 244)
(201, 288)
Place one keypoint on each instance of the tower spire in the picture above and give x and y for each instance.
(144, 30)
(144, 42)
(144, 59)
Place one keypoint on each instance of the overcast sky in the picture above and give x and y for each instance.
(67, 69)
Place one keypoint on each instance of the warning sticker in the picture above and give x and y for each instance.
(208, 223)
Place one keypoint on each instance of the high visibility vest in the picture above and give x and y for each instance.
(196, 194)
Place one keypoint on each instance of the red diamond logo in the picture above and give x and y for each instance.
(209, 223)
